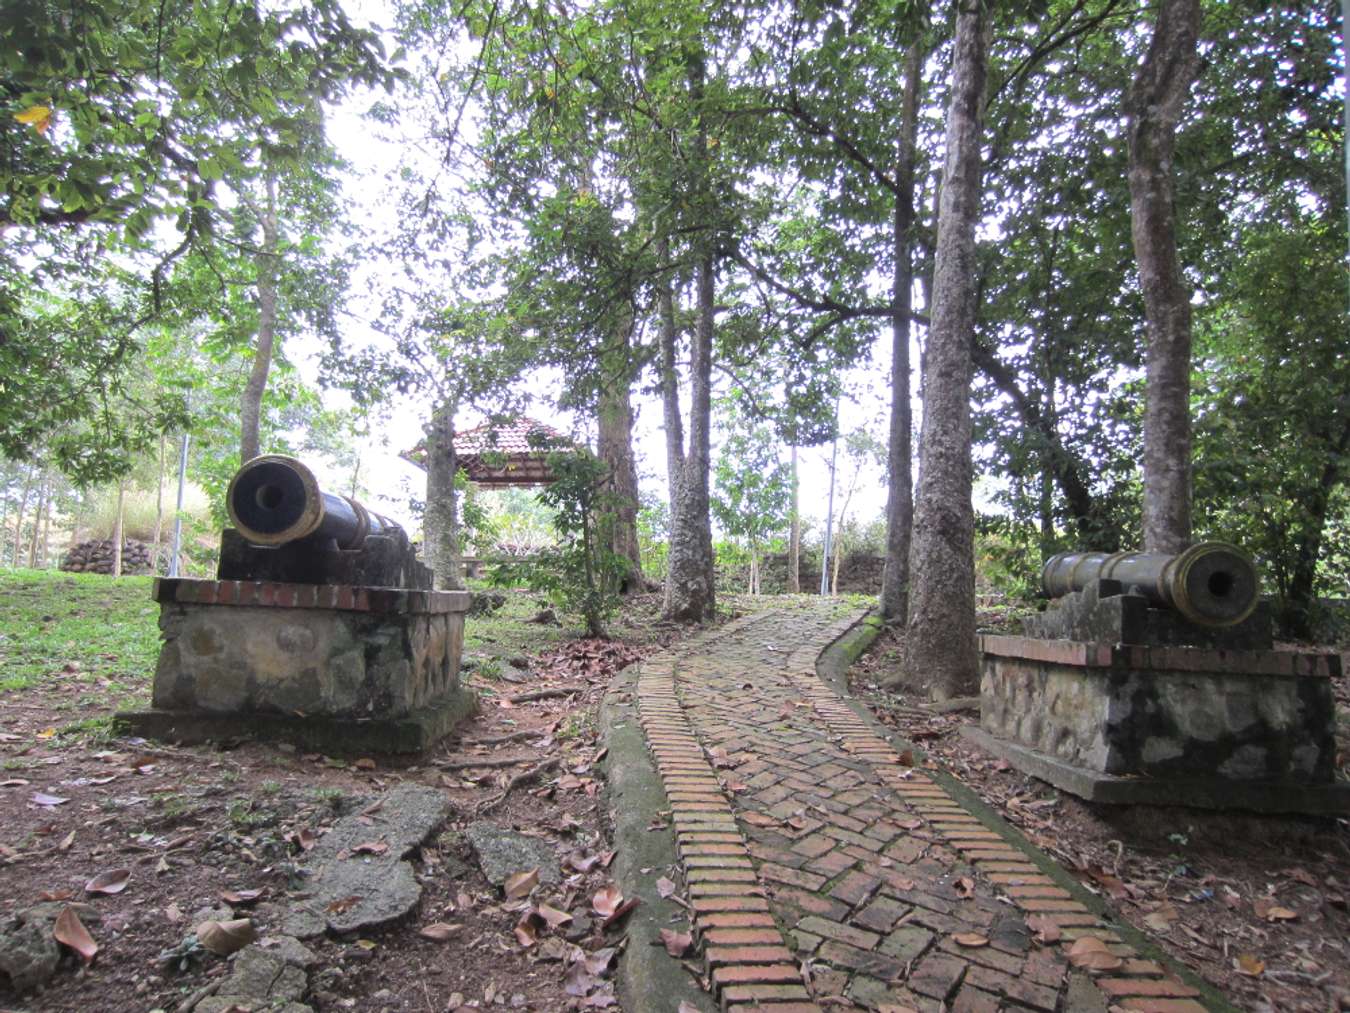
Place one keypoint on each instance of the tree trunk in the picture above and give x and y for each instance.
(690, 595)
(159, 510)
(17, 546)
(615, 446)
(250, 402)
(44, 490)
(900, 490)
(1296, 610)
(794, 576)
(690, 592)
(671, 418)
(46, 542)
(117, 528)
(440, 520)
(940, 637)
(1153, 108)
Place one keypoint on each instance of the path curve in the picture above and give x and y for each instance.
(823, 872)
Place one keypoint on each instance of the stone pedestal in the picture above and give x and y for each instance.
(329, 667)
(1168, 725)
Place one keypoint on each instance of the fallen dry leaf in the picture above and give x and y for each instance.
(970, 939)
(70, 931)
(664, 887)
(1161, 919)
(620, 912)
(66, 842)
(520, 884)
(1091, 954)
(581, 862)
(527, 929)
(1047, 931)
(370, 848)
(676, 943)
(438, 931)
(240, 897)
(42, 798)
(224, 938)
(965, 887)
(112, 881)
(1267, 909)
(1249, 964)
(606, 900)
(553, 916)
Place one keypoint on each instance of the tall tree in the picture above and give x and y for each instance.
(1154, 108)
(940, 638)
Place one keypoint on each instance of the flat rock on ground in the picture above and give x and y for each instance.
(502, 853)
(357, 871)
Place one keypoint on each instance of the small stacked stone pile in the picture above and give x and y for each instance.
(96, 556)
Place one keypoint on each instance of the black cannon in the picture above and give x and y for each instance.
(288, 529)
(1211, 584)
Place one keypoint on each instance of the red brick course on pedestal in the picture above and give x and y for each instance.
(823, 873)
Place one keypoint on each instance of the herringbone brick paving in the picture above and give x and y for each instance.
(823, 872)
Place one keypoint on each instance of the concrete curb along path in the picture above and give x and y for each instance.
(825, 873)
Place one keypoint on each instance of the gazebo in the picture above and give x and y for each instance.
(498, 455)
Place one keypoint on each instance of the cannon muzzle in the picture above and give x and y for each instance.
(1211, 583)
(275, 499)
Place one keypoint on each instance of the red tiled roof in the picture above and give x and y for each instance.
(502, 453)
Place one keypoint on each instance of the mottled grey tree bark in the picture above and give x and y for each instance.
(690, 593)
(440, 519)
(939, 646)
(615, 448)
(900, 491)
(250, 401)
(1153, 108)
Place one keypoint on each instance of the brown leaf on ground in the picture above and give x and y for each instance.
(1046, 930)
(370, 848)
(439, 931)
(606, 900)
(620, 912)
(70, 931)
(581, 862)
(224, 938)
(553, 916)
(520, 884)
(240, 897)
(1091, 954)
(664, 887)
(112, 881)
(42, 798)
(970, 939)
(1249, 964)
(676, 943)
(527, 929)
(1161, 918)
(965, 887)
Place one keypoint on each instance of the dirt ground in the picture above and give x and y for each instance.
(1255, 904)
(185, 830)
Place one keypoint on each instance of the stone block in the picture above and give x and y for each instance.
(380, 655)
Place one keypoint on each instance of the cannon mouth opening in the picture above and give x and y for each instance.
(274, 499)
(1220, 584)
(269, 497)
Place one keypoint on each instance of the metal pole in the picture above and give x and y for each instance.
(829, 510)
(178, 513)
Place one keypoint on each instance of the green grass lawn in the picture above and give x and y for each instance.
(79, 626)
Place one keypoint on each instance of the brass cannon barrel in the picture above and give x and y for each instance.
(1211, 583)
(275, 499)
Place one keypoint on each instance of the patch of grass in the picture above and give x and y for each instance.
(82, 626)
(509, 631)
(331, 797)
(94, 729)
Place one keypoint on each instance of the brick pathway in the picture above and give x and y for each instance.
(824, 873)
